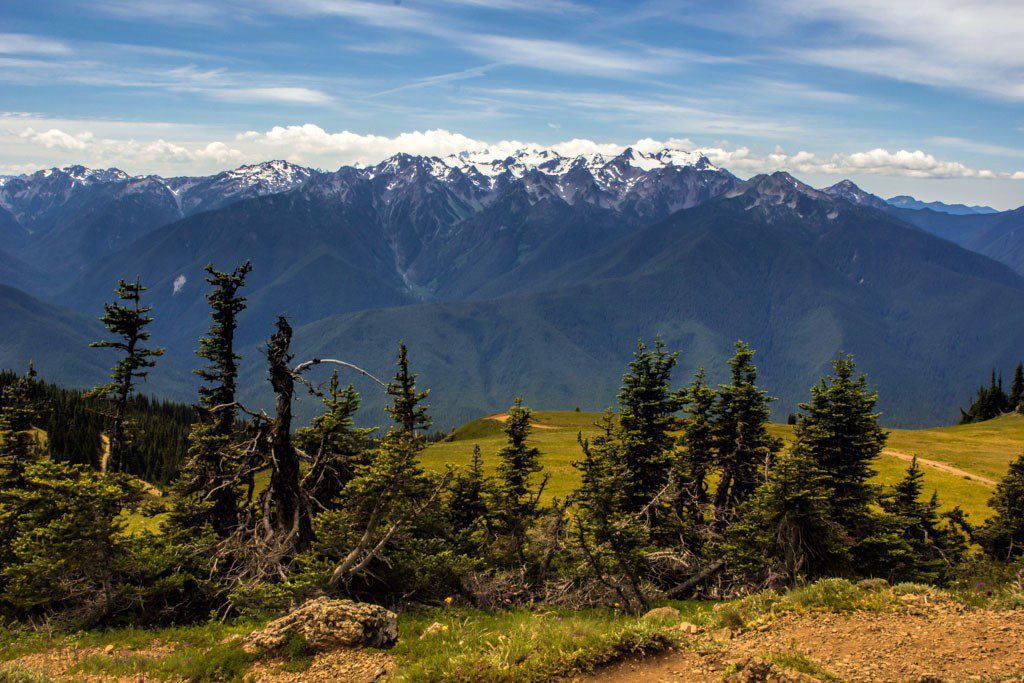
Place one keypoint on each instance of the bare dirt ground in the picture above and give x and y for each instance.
(943, 467)
(501, 417)
(927, 643)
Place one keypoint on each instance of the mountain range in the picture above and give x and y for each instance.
(534, 273)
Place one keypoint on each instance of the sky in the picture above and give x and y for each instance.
(921, 97)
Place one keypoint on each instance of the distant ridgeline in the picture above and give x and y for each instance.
(74, 427)
(992, 401)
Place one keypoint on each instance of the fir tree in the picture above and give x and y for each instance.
(18, 412)
(1017, 388)
(336, 446)
(743, 447)
(934, 546)
(1002, 535)
(204, 490)
(467, 507)
(695, 458)
(407, 409)
(646, 409)
(609, 534)
(991, 402)
(518, 499)
(839, 430)
(126, 319)
(388, 492)
(785, 530)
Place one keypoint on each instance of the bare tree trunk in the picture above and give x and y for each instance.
(287, 519)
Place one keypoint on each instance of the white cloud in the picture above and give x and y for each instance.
(286, 95)
(948, 43)
(177, 150)
(57, 139)
(24, 44)
(563, 57)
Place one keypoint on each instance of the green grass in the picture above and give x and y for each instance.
(523, 645)
(800, 663)
(984, 449)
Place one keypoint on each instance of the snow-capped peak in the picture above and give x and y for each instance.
(269, 174)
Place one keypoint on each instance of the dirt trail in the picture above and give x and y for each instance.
(943, 467)
(931, 643)
(501, 417)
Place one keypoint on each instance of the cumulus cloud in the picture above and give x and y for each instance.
(57, 139)
(312, 145)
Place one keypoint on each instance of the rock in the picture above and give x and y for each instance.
(722, 635)
(230, 639)
(433, 629)
(872, 584)
(327, 624)
(687, 627)
(662, 613)
(758, 670)
(108, 649)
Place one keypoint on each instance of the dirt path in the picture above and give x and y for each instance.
(943, 467)
(930, 643)
(501, 417)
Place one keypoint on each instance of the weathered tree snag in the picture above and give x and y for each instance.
(287, 521)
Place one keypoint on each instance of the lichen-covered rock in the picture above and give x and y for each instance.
(327, 624)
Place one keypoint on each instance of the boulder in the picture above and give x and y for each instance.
(328, 624)
(662, 614)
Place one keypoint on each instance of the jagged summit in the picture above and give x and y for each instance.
(848, 190)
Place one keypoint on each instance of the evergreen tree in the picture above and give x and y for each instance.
(744, 449)
(1002, 535)
(518, 500)
(336, 446)
(839, 430)
(785, 531)
(126, 319)
(695, 458)
(609, 533)
(407, 409)
(18, 445)
(934, 547)
(204, 490)
(388, 492)
(646, 409)
(467, 508)
(1017, 388)
(991, 402)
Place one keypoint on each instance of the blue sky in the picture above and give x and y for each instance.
(924, 97)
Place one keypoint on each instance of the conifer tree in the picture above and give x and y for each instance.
(1002, 535)
(467, 508)
(933, 546)
(335, 445)
(695, 458)
(18, 412)
(407, 409)
(742, 444)
(204, 490)
(785, 531)
(389, 491)
(1017, 388)
(126, 319)
(610, 534)
(518, 499)
(839, 430)
(646, 408)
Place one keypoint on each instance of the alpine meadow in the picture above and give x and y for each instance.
(488, 341)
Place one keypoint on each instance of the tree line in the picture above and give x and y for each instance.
(684, 492)
(993, 401)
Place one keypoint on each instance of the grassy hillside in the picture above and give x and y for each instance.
(981, 451)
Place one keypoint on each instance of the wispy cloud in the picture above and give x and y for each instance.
(25, 44)
(286, 95)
